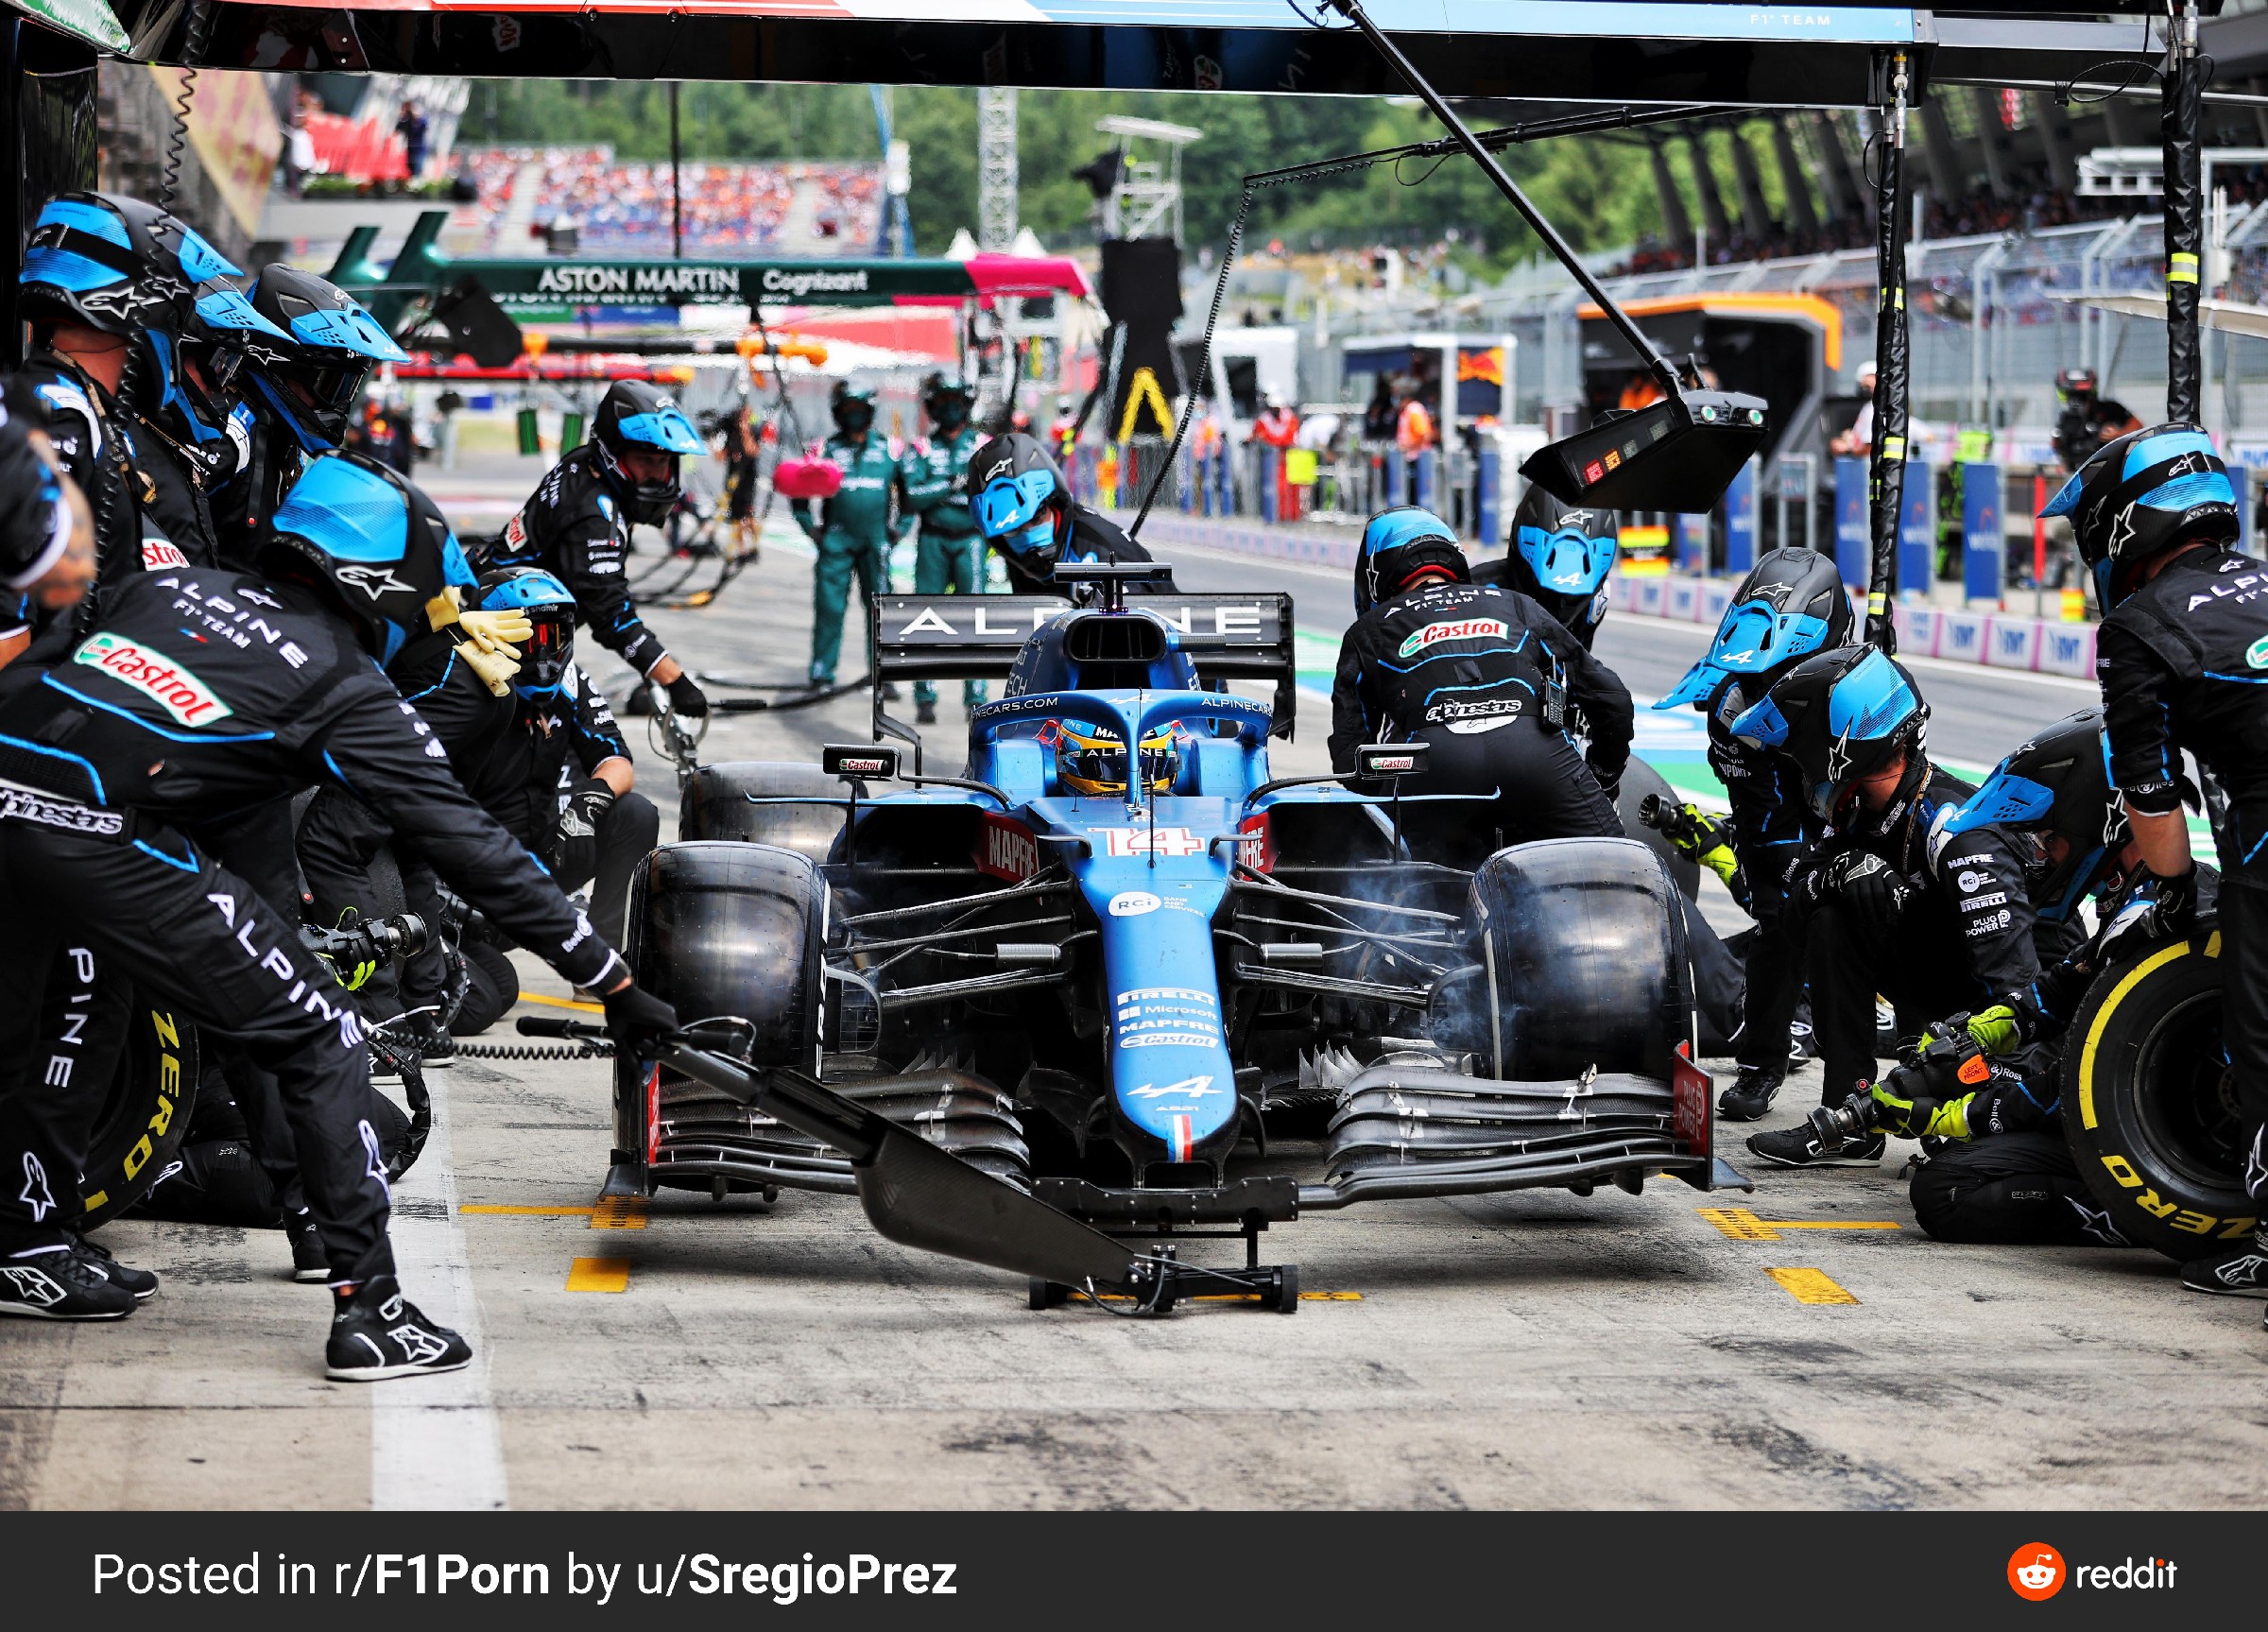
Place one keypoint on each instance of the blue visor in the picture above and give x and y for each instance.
(1870, 702)
(527, 589)
(455, 568)
(201, 263)
(1700, 684)
(225, 309)
(352, 514)
(2004, 800)
(665, 429)
(66, 270)
(1754, 636)
(1009, 504)
(1569, 562)
(352, 331)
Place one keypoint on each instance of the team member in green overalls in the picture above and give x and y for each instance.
(853, 529)
(930, 476)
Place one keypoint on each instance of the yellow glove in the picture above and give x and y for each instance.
(1722, 862)
(495, 667)
(1918, 1118)
(1995, 1029)
(499, 631)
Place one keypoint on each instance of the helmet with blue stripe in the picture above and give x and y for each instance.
(1018, 500)
(547, 651)
(369, 537)
(2055, 792)
(636, 419)
(114, 264)
(1790, 607)
(1561, 556)
(2141, 496)
(1400, 546)
(328, 346)
(1844, 717)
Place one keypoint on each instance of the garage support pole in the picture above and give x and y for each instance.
(2185, 213)
(1887, 487)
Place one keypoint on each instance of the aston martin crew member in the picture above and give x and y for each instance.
(1484, 676)
(1024, 510)
(576, 524)
(932, 482)
(2182, 657)
(853, 529)
(1889, 900)
(199, 694)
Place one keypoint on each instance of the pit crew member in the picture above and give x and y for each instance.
(1024, 510)
(1559, 558)
(931, 484)
(853, 529)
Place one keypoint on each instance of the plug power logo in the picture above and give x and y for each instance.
(2036, 1570)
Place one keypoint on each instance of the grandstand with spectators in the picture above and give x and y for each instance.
(793, 208)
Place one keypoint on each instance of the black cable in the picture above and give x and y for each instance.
(593, 1050)
(1204, 373)
(200, 29)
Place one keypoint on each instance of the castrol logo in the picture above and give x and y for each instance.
(1454, 630)
(177, 691)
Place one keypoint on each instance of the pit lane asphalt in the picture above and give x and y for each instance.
(1527, 1350)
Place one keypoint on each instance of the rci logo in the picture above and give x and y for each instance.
(2036, 1570)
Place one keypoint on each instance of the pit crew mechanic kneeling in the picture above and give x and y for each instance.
(1024, 508)
(2183, 660)
(1484, 675)
(1889, 900)
(202, 693)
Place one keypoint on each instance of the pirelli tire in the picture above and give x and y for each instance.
(2148, 1103)
(144, 1110)
(782, 802)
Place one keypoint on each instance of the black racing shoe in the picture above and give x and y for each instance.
(310, 1265)
(140, 1282)
(437, 1049)
(2239, 1273)
(1750, 1095)
(1799, 1146)
(377, 1333)
(925, 710)
(60, 1284)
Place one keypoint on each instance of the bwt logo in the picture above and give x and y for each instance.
(2037, 1571)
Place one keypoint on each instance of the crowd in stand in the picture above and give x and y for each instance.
(724, 206)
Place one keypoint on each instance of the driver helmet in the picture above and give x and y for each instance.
(852, 405)
(2055, 794)
(1843, 715)
(637, 417)
(1559, 558)
(947, 399)
(365, 533)
(546, 653)
(2141, 495)
(2075, 385)
(1090, 760)
(1400, 547)
(1790, 607)
(1020, 502)
(311, 384)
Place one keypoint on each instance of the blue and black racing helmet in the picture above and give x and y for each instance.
(1843, 716)
(1790, 607)
(637, 417)
(330, 345)
(1020, 502)
(2139, 496)
(115, 265)
(195, 377)
(1559, 558)
(373, 540)
(2055, 794)
(1398, 547)
(546, 654)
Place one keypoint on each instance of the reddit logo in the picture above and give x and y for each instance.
(2036, 1570)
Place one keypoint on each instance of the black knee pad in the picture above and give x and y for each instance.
(2010, 1189)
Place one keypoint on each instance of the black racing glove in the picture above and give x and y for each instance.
(575, 853)
(1864, 881)
(2153, 909)
(2177, 902)
(1611, 785)
(688, 698)
(636, 1019)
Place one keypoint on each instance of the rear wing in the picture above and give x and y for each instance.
(977, 637)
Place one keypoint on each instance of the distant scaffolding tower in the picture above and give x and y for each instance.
(996, 172)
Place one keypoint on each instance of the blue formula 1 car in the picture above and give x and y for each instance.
(1125, 984)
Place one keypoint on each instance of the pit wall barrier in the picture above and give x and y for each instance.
(1997, 640)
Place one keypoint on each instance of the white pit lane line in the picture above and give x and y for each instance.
(435, 1441)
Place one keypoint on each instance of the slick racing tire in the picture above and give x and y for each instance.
(735, 929)
(2149, 1105)
(1639, 779)
(145, 1112)
(1583, 946)
(758, 802)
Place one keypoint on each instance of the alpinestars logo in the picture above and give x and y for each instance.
(36, 1195)
(418, 1346)
(33, 1287)
(374, 581)
(1454, 629)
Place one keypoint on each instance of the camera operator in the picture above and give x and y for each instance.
(160, 728)
(2181, 658)
(1888, 901)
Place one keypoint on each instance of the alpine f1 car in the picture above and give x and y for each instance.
(1126, 983)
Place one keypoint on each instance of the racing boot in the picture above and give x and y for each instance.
(1750, 1095)
(310, 1264)
(925, 710)
(377, 1333)
(1799, 1146)
(437, 1049)
(60, 1282)
(139, 1283)
(2242, 1272)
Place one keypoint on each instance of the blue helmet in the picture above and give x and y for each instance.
(1790, 607)
(1842, 715)
(546, 654)
(1397, 545)
(331, 344)
(114, 264)
(2141, 495)
(1018, 500)
(374, 541)
(636, 418)
(2057, 787)
(194, 376)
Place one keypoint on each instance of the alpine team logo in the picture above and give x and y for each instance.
(1454, 630)
(177, 691)
(2035, 1571)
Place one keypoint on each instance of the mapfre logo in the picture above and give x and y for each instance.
(1456, 629)
(2036, 1570)
(180, 693)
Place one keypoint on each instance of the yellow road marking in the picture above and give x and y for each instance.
(563, 1003)
(1330, 1298)
(1739, 1223)
(533, 1212)
(619, 1212)
(599, 1275)
(1810, 1286)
